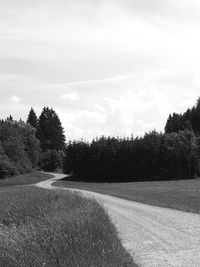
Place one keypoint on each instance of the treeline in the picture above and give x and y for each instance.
(50, 134)
(189, 119)
(174, 154)
(38, 142)
(19, 148)
(156, 156)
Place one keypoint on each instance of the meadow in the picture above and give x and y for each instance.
(41, 227)
(29, 178)
(181, 194)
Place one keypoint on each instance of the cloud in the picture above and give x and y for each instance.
(134, 112)
(15, 99)
(83, 123)
(71, 96)
(16, 109)
(115, 106)
(104, 80)
(130, 62)
(74, 41)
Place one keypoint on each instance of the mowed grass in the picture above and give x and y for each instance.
(52, 228)
(182, 195)
(30, 178)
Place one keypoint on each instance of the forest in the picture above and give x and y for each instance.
(155, 156)
(173, 154)
(39, 143)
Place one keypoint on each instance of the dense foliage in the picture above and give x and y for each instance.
(156, 156)
(25, 146)
(50, 160)
(19, 148)
(188, 120)
(50, 131)
(32, 119)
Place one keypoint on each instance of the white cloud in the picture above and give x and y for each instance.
(130, 62)
(17, 110)
(71, 96)
(130, 112)
(83, 123)
(137, 112)
(15, 99)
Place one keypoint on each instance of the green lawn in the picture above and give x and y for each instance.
(41, 227)
(30, 178)
(182, 195)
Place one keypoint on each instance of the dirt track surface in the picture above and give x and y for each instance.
(154, 236)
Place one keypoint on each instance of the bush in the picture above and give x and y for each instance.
(19, 148)
(50, 160)
(7, 168)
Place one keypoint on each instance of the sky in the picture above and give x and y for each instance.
(112, 67)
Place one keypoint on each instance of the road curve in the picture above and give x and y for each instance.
(154, 236)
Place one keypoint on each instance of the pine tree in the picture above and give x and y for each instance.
(10, 118)
(32, 119)
(50, 131)
(168, 126)
(174, 123)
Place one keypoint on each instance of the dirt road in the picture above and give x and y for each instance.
(154, 236)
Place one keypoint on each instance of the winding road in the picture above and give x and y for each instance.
(154, 236)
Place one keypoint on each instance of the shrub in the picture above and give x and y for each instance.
(50, 160)
(7, 168)
(19, 148)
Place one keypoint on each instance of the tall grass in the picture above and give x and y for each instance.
(44, 228)
(29, 178)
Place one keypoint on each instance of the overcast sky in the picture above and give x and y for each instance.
(105, 66)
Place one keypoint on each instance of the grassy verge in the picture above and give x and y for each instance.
(51, 228)
(182, 195)
(30, 178)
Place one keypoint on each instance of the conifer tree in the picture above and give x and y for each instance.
(10, 118)
(32, 119)
(50, 131)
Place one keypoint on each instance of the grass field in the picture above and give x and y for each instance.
(30, 178)
(51, 228)
(182, 195)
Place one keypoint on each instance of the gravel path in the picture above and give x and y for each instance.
(154, 236)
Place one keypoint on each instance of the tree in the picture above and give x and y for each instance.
(6, 167)
(179, 122)
(50, 131)
(10, 118)
(50, 160)
(156, 156)
(31, 144)
(174, 123)
(19, 148)
(32, 119)
(195, 117)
